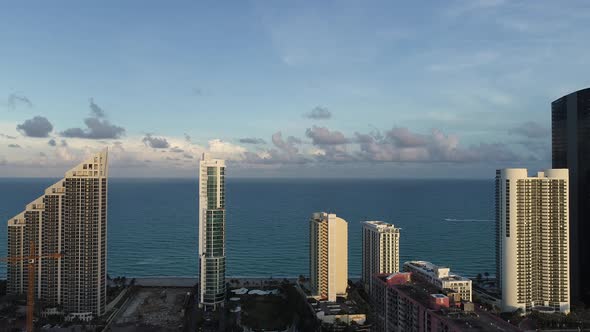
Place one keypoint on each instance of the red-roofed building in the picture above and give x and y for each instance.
(438, 301)
(403, 304)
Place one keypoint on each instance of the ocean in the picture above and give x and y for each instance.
(152, 223)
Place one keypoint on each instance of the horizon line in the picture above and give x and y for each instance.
(261, 178)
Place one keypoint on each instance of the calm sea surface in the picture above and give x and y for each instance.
(152, 224)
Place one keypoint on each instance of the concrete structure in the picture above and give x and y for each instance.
(70, 218)
(211, 233)
(328, 256)
(532, 239)
(403, 303)
(570, 118)
(332, 312)
(441, 278)
(380, 250)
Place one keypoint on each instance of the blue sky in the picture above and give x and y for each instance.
(331, 88)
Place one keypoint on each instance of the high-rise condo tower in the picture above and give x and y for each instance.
(532, 240)
(211, 233)
(380, 250)
(71, 219)
(328, 259)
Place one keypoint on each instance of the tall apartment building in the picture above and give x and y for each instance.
(211, 233)
(441, 278)
(71, 219)
(328, 264)
(570, 118)
(380, 250)
(532, 239)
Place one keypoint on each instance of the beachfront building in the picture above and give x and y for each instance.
(328, 255)
(570, 122)
(211, 233)
(441, 278)
(532, 240)
(380, 250)
(69, 218)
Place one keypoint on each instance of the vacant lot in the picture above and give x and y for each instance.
(152, 309)
(269, 312)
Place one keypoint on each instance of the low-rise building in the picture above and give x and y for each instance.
(338, 312)
(404, 303)
(441, 278)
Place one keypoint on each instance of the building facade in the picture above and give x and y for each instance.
(570, 119)
(328, 244)
(380, 250)
(211, 233)
(532, 239)
(71, 219)
(441, 278)
(404, 304)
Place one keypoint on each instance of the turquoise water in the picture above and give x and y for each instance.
(152, 225)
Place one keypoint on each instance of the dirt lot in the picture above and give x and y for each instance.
(152, 309)
(269, 312)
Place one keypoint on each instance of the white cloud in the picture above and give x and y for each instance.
(222, 149)
(130, 156)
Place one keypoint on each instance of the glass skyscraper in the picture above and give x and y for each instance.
(570, 118)
(211, 233)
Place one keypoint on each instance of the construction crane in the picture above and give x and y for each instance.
(31, 259)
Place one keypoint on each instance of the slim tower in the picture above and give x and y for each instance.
(532, 239)
(71, 219)
(211, 233)
(570, 118)
(380, 250)
(328, 256)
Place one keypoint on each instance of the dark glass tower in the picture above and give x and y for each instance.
(570, 118)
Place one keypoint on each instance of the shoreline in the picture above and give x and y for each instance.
(189, 282)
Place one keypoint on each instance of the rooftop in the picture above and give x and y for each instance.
(435, 271)
(380, 226)
(336, 308)
(423, 292)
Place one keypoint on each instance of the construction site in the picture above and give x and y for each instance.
(152, 309)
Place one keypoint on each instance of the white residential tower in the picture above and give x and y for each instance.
(380, 250)
(532, 239)
(69, 219)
